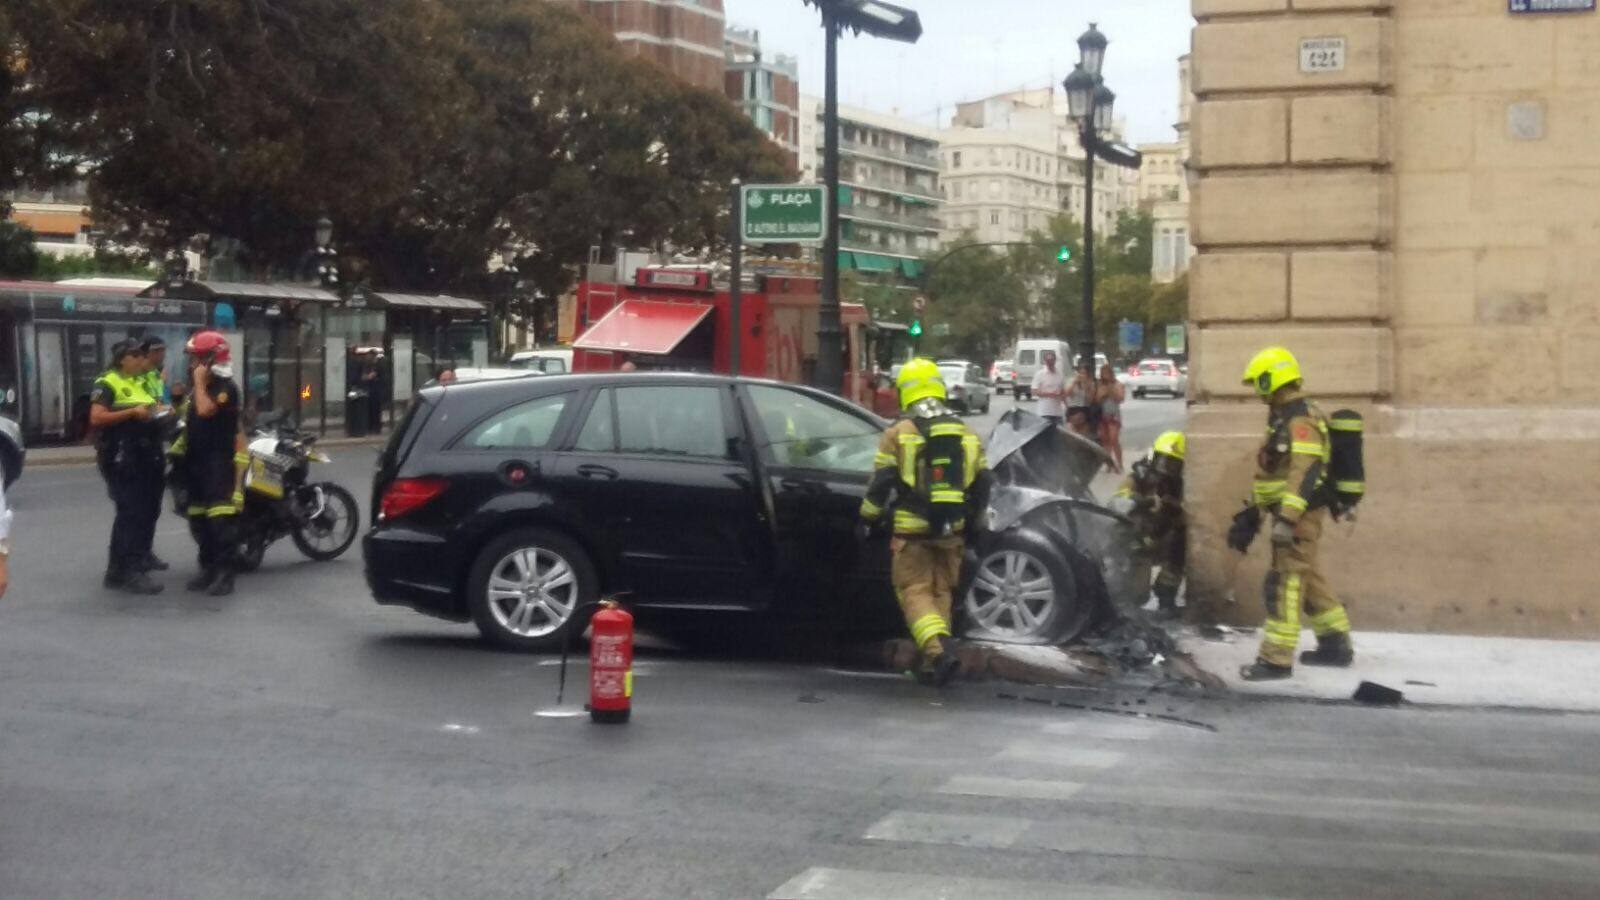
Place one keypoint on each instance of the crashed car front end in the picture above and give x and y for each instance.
(1050, 562)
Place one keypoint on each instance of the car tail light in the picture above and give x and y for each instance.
(404, 496)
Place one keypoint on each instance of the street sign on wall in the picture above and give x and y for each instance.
(1551, 6)
(1175, 340)
(784, 213)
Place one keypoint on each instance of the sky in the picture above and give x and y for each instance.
(975, 48)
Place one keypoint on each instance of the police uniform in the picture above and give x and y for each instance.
(211, 481)
(1291, 484)
(129, 458)
(930, 470)
(1152, 496)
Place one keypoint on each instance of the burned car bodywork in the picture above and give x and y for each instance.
(1050, 562)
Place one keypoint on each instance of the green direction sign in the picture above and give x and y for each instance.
(784, 213)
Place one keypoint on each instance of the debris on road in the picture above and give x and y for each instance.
(1374, 694)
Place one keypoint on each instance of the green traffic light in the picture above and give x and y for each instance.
(1065, 255)
(916, 329)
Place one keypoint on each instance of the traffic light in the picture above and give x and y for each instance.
(1065, 255)
(916, 328)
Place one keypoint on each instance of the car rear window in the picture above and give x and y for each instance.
(526, 426)
(1155, 367)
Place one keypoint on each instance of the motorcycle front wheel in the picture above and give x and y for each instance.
(331, 532)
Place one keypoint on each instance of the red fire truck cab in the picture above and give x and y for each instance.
(678, 318)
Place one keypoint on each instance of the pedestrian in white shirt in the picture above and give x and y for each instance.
(1051, 389)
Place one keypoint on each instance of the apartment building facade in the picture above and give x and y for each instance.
(684, 37)
(766, 87)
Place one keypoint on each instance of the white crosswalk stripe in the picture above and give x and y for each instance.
(1094, 788)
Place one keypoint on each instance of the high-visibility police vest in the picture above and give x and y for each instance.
(126, 393)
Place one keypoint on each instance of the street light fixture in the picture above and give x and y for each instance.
(879, 19)
(1090, 104)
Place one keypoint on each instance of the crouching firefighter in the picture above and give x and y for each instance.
(1152, 497)
(209, 455)
(931, 481)
(1293, 485)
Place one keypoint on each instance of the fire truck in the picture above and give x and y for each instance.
(680, 318)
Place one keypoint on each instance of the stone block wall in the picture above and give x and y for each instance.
(1422, 227)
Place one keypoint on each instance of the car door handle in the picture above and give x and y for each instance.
(589, 470)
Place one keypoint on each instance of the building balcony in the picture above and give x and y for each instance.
(879, 183)
(883, 216)
(927, 161)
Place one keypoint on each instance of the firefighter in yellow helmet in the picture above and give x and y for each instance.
(1152, 497)
(1291, 486)
(931, 481)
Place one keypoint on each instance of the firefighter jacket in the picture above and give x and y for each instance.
(925, 498)
(1292, 466)
(1157, 500)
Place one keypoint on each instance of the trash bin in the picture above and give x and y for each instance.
(356, 413)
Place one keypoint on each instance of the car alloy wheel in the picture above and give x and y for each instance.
(1013, 597)
(532, 592)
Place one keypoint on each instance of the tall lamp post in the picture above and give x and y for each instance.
(1089, 104)
(878, 19)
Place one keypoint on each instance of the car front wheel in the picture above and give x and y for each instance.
(529, 588)
(1024, 590)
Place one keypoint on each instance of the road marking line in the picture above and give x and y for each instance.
(1061, 755)
(1329, 807)
(1110, 730)
(957, 830)
(1020, 788)
(856, 884)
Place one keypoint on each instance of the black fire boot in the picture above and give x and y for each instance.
(201, 581)
(948, 665)
(115, 579)
(1332, 650)
(1166, 601)
(141, 584)
(1265, 671)
(223, 586)
(154, 563)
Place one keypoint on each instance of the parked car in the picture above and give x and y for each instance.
(515, 504)
(1158, 376)
(964, 383)
(1003, 375)
(550, 361)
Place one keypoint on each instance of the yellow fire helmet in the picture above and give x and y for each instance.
(1270, 370)
(919, 379)
(1171, 444)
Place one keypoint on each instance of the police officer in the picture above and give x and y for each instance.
(1152, 496)
(211, 432)
(1290, 485)
(155, 383)
(129, 455)
(931, 471)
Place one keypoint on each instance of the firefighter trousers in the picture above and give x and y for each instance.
(1296, 582)
(925, 572)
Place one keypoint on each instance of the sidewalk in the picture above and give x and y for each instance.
(84, 454)
(1430, 669)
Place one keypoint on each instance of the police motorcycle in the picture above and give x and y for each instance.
(281, 500)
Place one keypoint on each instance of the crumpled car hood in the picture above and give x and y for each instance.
(1043, 474)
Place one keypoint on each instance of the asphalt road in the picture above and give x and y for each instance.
(296, 740)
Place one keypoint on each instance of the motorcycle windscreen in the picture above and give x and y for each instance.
(1027, 451)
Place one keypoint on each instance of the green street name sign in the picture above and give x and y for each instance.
(784, 213)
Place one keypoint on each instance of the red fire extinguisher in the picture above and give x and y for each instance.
(611, 664)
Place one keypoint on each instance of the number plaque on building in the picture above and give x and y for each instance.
(1551, 6)
(1323, 54)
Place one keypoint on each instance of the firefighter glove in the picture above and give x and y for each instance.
(1282, 533)
(1246, 522)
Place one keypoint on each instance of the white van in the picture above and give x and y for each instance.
(550, 361)
(1029, 357)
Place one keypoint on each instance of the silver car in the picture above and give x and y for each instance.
(969, 393)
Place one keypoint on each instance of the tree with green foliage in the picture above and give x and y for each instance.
(981, 295)
(432, 132)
